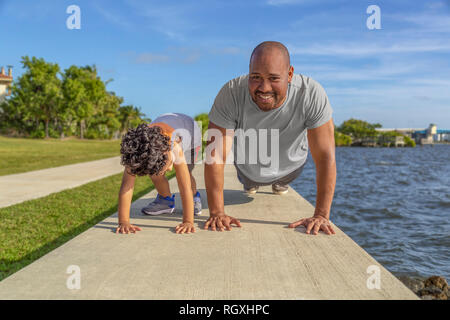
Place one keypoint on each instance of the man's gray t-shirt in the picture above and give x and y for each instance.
(306, 107)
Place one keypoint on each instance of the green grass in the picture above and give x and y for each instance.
(22, 155)
(32, 229)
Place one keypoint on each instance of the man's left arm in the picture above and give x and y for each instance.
(322, 146)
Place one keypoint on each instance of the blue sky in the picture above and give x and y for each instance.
(174, 56)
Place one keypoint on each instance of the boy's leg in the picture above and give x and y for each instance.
(162, 185)
(164, 202)
(191, 158)
(193, 184)
(197, 198)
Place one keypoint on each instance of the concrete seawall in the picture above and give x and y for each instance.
(262, 260)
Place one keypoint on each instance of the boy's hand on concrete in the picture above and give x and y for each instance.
(185, 227)
(221, 222)
(126, 227)
(315, 224)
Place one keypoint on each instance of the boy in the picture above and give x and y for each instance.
(172, 140)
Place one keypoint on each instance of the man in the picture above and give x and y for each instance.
(271, 97)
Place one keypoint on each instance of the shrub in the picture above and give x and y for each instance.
(91, 134)
(37, 134)
(341, 139)
(409, 142)
(204, 120)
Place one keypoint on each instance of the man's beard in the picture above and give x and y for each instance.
(266, 106)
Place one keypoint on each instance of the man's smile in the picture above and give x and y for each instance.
(265, 97)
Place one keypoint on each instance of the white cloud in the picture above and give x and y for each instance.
(351, 48)
(285, 2)
(28, 10)
(170, 20)
(171, 55)
(423, 22)
(147, 58)
(185, 55)
(445, 83)
(437, 5)
(226, 50)
(111, 17)
(392, 105)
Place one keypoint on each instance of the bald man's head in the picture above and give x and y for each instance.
(270, 72)
(270, 47)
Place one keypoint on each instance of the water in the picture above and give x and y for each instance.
(395, 203)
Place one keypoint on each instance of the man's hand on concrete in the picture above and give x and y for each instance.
(315, 224)
(221, 222)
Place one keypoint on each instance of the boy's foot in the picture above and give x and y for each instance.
(278, 188)
(159, 206)
(197, 204)
(251, 190)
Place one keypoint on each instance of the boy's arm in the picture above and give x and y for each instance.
(125, 198)
(184, 185)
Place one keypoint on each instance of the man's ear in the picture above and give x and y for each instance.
(290, 73)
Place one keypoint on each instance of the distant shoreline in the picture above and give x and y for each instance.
(383, 147)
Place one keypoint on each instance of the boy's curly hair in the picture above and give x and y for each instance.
(144, 150)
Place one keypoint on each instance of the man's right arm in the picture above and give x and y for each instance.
(218, 147)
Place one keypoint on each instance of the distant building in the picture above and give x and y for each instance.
(432, 134)
(5, 83)
(405, 131)
(443, 135)
(423, 135)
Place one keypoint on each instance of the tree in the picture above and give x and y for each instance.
(203, 118)
(130, 117)
(341, 139)
(78, 106)
(45, 101)
(106, 120)
(37, 95)
(86, 95)
(409, 142)
(358, 129)
(14, 115)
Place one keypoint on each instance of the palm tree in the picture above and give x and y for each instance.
(130, 117)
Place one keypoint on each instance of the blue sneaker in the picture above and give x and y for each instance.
(159, 206)
(197, 204)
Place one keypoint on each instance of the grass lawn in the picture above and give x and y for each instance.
(22, 155)
(31, 229)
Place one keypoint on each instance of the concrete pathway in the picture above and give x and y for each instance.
(16, 188)
(262, 260)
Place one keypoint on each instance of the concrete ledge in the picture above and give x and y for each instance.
(17, 188)
(262, 260)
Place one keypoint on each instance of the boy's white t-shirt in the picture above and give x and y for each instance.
(185, 127)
